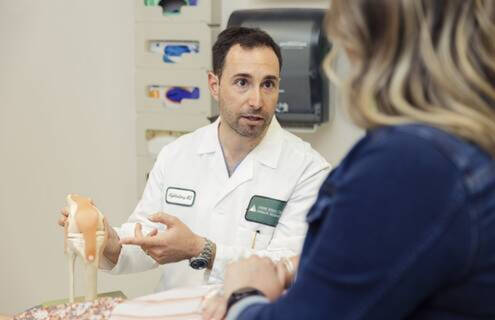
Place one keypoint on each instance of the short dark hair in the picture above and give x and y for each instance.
(247, 38)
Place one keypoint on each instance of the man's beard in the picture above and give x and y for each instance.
(252, 131)
(245, 130)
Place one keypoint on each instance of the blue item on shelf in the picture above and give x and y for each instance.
(176, 94)
(172, 6)
(176, 51)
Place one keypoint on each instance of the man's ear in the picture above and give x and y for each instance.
(213, 85)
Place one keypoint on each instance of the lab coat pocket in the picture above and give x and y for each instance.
(254, 238)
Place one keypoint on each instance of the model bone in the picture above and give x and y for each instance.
(85, 236)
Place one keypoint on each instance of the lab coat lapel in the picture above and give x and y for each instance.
(210, 151)
(266, 153)
(210, 147)
(242, 174)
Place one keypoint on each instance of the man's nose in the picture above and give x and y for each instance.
(255, 99)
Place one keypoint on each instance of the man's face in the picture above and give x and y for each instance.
(247, 92)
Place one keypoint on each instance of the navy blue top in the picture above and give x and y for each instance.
(404, 228)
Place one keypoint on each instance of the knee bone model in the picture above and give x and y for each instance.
(85, 236)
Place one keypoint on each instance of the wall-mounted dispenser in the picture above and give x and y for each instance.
(304, 92)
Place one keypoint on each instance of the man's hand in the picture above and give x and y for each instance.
(64, 215)
(112, 246)
(255, 272)
(177, 243)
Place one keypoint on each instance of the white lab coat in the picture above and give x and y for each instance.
(281, 167)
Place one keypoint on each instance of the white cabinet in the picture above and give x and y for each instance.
(173, 56)
(150, 129)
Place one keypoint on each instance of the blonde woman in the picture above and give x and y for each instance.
(404, 228)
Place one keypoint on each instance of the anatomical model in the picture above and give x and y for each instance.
(85, 236)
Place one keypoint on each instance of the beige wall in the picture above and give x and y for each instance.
(67, 125)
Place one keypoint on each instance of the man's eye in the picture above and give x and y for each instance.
(241, 82)
(268, 84)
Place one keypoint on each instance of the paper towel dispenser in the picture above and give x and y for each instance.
(304, 92)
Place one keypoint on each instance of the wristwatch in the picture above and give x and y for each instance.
(205, 258)
(242, 293)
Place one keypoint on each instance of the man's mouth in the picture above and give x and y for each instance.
(253, 119)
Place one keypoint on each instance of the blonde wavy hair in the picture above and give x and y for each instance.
(427, 61)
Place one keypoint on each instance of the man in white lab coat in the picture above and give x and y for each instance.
(239, 186)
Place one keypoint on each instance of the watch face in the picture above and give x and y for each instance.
(198, 263)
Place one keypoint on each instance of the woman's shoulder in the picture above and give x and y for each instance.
(421, 141)
(415, 150)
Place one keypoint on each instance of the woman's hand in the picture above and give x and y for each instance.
(214, 305)
(254, 272)
(286, 270)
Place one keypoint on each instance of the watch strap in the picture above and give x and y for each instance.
(242, 293)
(207, 254)
(213, 254)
